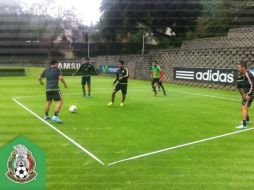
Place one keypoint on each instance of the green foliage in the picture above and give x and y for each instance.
(6, 72)
(121, 17)
(220, 15)
(188, 19)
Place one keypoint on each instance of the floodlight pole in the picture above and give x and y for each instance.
(88, 41)
(88, 45)
(143, 45)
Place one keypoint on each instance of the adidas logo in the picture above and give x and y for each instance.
(209, 75)
(205, 75)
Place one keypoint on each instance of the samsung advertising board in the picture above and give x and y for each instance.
(69, 67)
(108, 69)
(224, 76)
(74, 65)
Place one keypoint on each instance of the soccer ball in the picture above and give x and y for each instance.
(21, 172)
(73, 109)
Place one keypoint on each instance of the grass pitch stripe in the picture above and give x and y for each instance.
(79, 93)
(179, 146)
(205, 95)
(177, 91)
(60, 132)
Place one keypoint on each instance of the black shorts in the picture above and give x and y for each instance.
(156, 81)
(122, 87)
(247, 103)
(86, 80)
(54, 95)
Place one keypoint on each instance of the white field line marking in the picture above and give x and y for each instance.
(77, 93)
(206, 95)
(179, 146)
(155, 152)
(183, 92)
(60, 132)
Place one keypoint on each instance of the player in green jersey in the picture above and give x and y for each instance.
(157, 77)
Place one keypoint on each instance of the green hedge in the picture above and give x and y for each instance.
(68, 72)
(6, 72)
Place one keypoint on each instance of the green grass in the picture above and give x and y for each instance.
(145, 124)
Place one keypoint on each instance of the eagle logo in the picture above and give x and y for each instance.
(21, 165)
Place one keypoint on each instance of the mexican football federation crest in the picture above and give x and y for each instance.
(21, 165)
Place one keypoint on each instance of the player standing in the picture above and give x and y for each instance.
(53, 74)
(87, 70)
(246, 89)
(157, 76)
(120, 83)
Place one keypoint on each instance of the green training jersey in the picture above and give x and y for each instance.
(156, 72)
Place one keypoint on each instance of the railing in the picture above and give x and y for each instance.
(23, 63)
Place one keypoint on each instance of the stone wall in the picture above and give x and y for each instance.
(219, 53)
(240, 37)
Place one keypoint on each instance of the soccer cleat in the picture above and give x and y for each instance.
(247, 122)
(89, 96)
(155, 94)
(110, 103)
(56, 119)
(46, 117)
(84, 95)
(241, 127)
(122, 104)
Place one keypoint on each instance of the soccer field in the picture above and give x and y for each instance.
(186, 140)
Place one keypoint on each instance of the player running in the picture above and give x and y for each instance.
(157, 76)
(87, 70)
(121, 83)
(53, 75)
(246, 89)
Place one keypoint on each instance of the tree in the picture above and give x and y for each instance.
(220, 15)
(10, 7)
(121, 17)
(41, 8)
